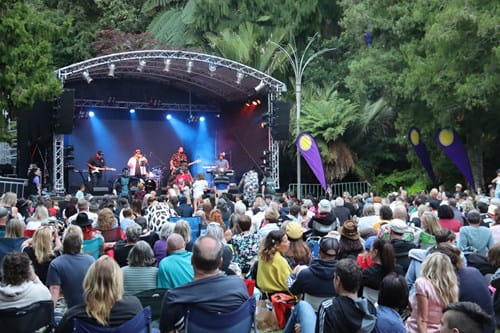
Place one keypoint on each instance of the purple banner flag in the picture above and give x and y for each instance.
(421, 151)
(449, 141)
(309, 150)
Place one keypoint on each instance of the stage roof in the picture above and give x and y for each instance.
(206, 75)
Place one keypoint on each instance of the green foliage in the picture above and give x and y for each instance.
(390, 182)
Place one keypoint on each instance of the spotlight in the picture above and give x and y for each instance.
(202, 118)
(167, 65)
(132, 110)
(91, 114)
(264, 124)
(258, 101)
(86, 76)
(189, 66)
(247, 104)
(218, 115)
(254, 103)
(169, 116)
(142, 64)
(111, 68)
(239, 77)
(260, 86)
(212, 68)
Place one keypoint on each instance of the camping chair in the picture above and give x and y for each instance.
(141, 323)
(152, 298)
(112, 235)
(27, 319)
(370, 294)
(240, 320)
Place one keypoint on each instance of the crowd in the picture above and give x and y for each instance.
(422, 263)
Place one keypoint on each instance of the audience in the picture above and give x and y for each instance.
(245, 244)
(140, 274)
(122, 249)
(392, 300)
(475, 238)
(464, 317)
(160, 246)
(325, 221)
(298, 252)
(45, 247)
(175, 269)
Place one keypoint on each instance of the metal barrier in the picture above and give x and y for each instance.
(337, 189)
(15, 185)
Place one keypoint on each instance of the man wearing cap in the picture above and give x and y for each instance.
(96, 164)
(325, 221)
(401, 247)
(4, 215)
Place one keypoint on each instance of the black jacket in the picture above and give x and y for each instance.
(343, 214)
(373, 275)
(401, 249)
(343, 314)
(323, 223)
(316, 280)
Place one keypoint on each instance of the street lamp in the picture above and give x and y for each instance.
(299, 65)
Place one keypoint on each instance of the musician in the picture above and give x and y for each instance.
(138, 164)
(178, 159)
(96, 164)
(221, 162)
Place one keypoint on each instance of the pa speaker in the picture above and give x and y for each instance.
(65, 113)
(281, 123)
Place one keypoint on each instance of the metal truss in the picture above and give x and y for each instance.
(171, 107)
(58, 163)
(220, 72)
(274, 147)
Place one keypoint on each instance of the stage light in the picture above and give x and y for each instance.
(169, 116)
(254, 103)
(212, 68)
(264, 124)
(190, 66)
(202, 118)
(91, 114)
(86, 76)
(111, 68)
(142, 64)
(218, 115)
(132, 110)
(258, 101)
(167, 65)
(247, 104)
(239, 77)
(260, 86)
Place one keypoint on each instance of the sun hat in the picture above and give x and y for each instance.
(294, 231)
(350, 230)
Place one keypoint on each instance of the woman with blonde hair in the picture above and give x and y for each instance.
(436, 288)
(104, 304)
(430, 225)
(106, 219)
(42, 250)
(183, 228)
(9, 201)
(14, 229)
(41, 215)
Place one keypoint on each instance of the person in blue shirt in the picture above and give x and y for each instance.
(392, 298)
(474, 238)
(175, 269)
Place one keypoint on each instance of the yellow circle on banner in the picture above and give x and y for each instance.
(414, 137)
(446, 137)
(305, 142)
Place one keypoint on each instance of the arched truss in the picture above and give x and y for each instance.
(218, 78)
(221, 78)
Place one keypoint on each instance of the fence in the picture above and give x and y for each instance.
(15, 185)
(337, 189)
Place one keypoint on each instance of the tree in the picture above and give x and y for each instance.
(26, 66)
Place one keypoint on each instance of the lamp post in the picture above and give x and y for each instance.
(299, 64)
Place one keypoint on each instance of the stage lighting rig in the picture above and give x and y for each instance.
(86, 76)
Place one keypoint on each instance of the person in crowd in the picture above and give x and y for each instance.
(183, 228)
(83, 206)
(494, 260)
(482, 208)
(430, 226)
(215, 215)
(269, 223)
(9, 201)
(210, 290)
(175, 269)
(20, 286)
(350, 241)
(392, 300)
(93, 242)
(341, 212)
(398, 228)
(495, 227)
(304, 216)
(106, 220)
(127, 219)
(160, 246)
(45, 247)
(474, 238)
(136, 207)
(250, 183)
(385, 213)
(368, 220)
(457, 213)
(346, 312)
(384, 263)
(66, 272)
(435, 289)
(464, 317)
(316, 280)
(184, 209)
(472, 284)
(325, 221)
(215, 230)
(298, 252)
(399, 212)
(147, 235)
(104, 303)
(200, 185)
(447, 218)
(4, 217)
(140, 274)
(41, 216)
(122, 249)
(245, 245)
(239, 211)
(14, 229)
(273, 269)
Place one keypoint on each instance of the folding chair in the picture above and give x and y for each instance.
(152, 298)
(27, 319)
(141, 323)
(240, 320)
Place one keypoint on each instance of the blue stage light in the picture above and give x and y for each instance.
(131, 110)
(202, 118)
(91, 114)
(169, 116)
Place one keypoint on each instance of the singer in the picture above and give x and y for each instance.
(138, 164)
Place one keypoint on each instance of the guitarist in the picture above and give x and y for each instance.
(96, 164)
(178, 159)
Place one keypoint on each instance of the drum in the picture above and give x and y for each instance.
(151, 185)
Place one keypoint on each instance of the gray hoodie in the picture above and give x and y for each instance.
(23, 295)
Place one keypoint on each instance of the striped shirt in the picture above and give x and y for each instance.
(137, 279)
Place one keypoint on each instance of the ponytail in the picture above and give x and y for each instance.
(385, 252)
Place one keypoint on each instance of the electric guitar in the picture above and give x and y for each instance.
(98, 170)
(174, 170)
